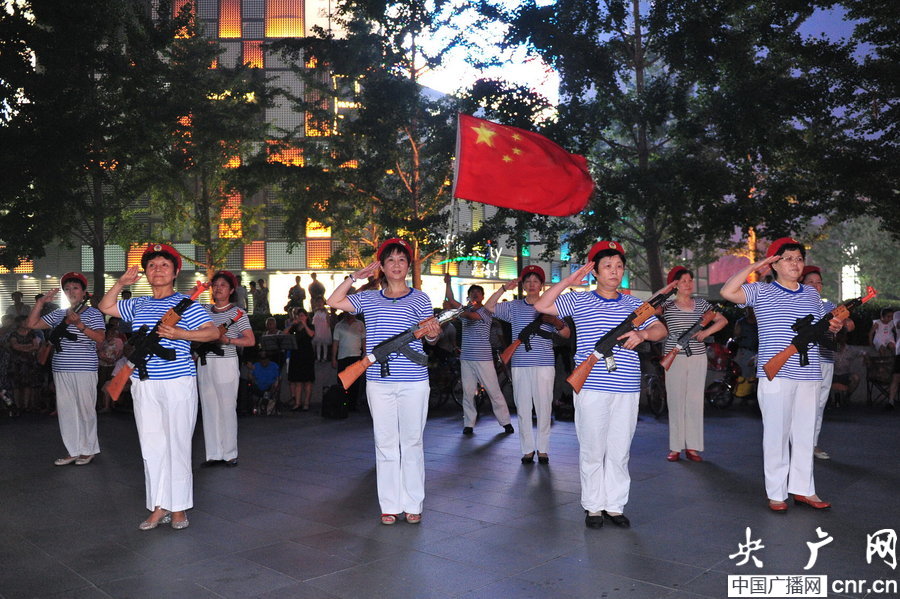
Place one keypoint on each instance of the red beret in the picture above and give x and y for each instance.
(534, 269)
(605, 245)
(162, 248)
(809, 269)
(73, 276)
(228, 276)
(776, 245)
(392, 241)
(675, 273)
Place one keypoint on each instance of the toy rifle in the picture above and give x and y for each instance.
(683, 342)
(214, 347)
(604, 346)
(60, 332)
(399, 343)
(147, 344)
(532, 328)
(809, 333)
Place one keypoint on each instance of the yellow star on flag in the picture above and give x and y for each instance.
(485, 134)
(516, 137)
(507, 158)
(517, 151)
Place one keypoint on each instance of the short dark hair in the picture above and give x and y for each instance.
(787, 247)
(146, 258)
(394, 247)
(605, 254)
(683, 272)
(72, 280)
(475, 288)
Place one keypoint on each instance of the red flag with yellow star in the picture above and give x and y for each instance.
(513, 168)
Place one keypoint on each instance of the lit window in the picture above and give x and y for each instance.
(229, 18)
(253, 54)
(25, 267)
(317, 229)
(233, 162)
(255, 256)
(134, 255)
(284, 18)
(285, 155)
(230, 218)
(350, 164)
(318, 251)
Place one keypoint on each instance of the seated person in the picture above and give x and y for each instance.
(264, 376)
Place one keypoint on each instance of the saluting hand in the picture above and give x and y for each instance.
(131, 276)
(510, 285)
(367, 271)
(579, 275)
(48, 297)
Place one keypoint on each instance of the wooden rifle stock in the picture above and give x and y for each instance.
(118, 382)
(582, 372)
(698, 326)
(349, 375)
(667, 359)
(507, 354)
(772, 367)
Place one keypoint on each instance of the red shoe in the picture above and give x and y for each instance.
(673, 456)
(778, 506)
(692, 455)
(817, 505)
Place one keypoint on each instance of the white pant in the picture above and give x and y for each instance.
(789, 420)
(824, 393)
(399, 411)
(533, 386)
(76, 401)
(481, 371)
(685, 381)
(605, 423)
(218, 383)
(165, 413)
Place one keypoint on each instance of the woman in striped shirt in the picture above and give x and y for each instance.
(398, 402)
(165, 404)
(686, 378)
(74, 368)
(788, 401)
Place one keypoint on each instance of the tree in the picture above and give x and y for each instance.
(215, 129)
(81, 122)
(696, 116)
(381, 166)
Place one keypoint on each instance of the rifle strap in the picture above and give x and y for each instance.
(413, 355)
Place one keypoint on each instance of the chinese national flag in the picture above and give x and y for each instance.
(513, 168)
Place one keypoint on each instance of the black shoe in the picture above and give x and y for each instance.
(593, 521)
(211, 463)
(621, 521)
(543, 459)
(508, 429)
(231, 463)
(528, 459)
(468, 430)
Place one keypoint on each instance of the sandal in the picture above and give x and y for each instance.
(388, 519)
(413, 518)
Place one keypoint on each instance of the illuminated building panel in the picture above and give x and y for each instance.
(278, 258)
(508, 268)
(318, 251)
(316, 229)
(254, 9)
(255, 256)
(229, 18)
(113, 257)
(25, 267)
(230, 226)
(134, 255)
(285, 155)
(253, 55)
(284, 18)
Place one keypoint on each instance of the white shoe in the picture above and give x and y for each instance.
(84, 461)
(822, 455)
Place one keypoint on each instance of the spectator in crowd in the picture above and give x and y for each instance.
(109, 350)
(746, 336)
(296, 294)
(265, 377)
(301, 369)
(18, 308)
(844, 357)
(348, 345)
(883, 334)
(7, 326)
(240, 295)
(124, 326)
(48, 306)
(322, 325)
(23, 368)
(316, 291)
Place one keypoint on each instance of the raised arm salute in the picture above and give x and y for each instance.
(787, 402)
(606, 406)
(165, 401)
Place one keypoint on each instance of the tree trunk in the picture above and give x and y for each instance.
(654, 255)
(98, 241)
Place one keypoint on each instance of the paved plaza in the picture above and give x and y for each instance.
(299, 517)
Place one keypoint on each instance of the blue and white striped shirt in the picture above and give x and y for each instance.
(476, 337)
(594, 316)
(233, 332)
(777, 308)
(384, 318)
(519, 314)
(79, 355)
(678, 322)
(147, 311)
